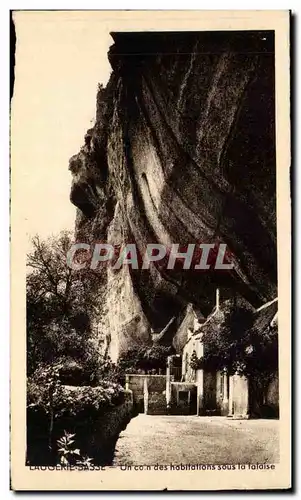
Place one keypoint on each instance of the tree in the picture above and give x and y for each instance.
(232, 341)
(62, 305)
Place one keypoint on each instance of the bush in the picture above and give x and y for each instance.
(232, 341)
(62, 305)
(74, 400)
(145, 358)
(53, 408)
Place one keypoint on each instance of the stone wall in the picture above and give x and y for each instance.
(155, 388)
(95, 436)
(264, 400)
(183, 398)
(239, 396)
(273, 394)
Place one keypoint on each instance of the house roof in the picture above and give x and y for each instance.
(187, 323)
(165, 336)
(199, 315)
(265, 315)
(267, 304)
(181, 335)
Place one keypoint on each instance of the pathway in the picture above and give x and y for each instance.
(156, 439)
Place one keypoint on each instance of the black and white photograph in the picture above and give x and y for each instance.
(156, 292)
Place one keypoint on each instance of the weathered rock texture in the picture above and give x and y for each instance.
(182, 151)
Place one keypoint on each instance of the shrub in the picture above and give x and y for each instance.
(53, 407)
(233, 341)
(72, 401)
(145, 358)
(67, 452)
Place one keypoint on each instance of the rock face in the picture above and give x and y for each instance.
(182, 151)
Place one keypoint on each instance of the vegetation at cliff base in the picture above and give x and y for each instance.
(241, 341)
(68, 376)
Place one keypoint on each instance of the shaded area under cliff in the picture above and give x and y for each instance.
(182, 151)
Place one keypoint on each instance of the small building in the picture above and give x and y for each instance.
(217, 392)
(187, 391)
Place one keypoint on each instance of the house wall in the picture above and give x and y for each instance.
(194, 344)
(156, 387)
(264, 403)
(183, 398)
(210, 393)
(238, 397)
(273, 392)
(221, 394)
(217, 393)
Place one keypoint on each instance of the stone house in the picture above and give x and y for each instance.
(183, 390)
(217, 393)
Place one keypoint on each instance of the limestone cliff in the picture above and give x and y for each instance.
(182, 151)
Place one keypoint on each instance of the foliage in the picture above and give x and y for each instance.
(69, 380)
(61, 305)
(71, 401)
(47, 397)
(231, 341)
(145, 359)
(67, 453)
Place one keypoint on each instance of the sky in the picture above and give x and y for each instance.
(60, 59)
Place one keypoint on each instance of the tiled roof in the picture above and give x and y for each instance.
(199, 315)
(265, 315)
(262, 318)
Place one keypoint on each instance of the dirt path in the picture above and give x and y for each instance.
(149, 440)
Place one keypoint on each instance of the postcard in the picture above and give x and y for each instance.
(150, 251)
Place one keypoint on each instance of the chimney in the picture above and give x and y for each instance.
(217, 299)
